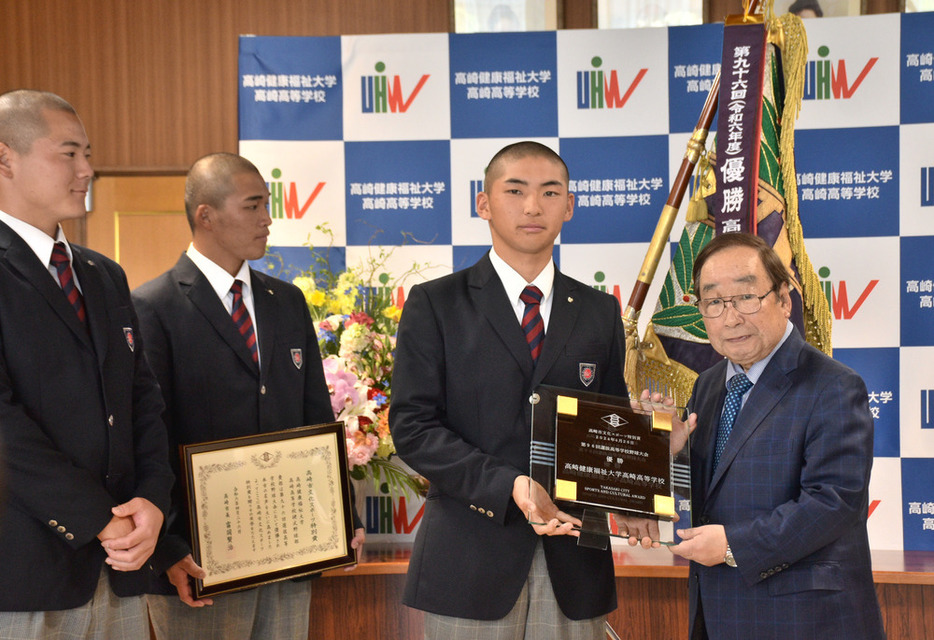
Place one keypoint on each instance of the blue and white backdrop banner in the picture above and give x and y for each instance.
(385, 139)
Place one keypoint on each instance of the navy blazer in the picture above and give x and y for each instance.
(460, 416)
(80, 419)
(791, 490)
(213, 389)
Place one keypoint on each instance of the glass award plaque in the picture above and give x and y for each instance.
(620, 465)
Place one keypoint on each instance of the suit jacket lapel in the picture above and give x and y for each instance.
(488, 294)
(202, 295)
(265, 305)
(21, 258)
(564, 311)
(772, 385)
(92, 288)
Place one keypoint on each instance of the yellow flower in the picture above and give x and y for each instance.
(393, 313)
(315, 298)
(307, 285)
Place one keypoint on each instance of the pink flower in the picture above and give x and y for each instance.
(340, 385)
(360, 447)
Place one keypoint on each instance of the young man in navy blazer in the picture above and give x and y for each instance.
(460, 416)
(779, 547)
(84, 447)
(220, 382)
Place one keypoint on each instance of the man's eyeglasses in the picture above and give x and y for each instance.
(745, 303)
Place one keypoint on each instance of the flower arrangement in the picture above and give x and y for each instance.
(356, 315)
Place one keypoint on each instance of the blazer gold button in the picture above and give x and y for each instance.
(69, 536)
(481, 510)
(110, 420)
(262, 390)
(473, 508)
(489, 514)
(53, 523)
(60, 529)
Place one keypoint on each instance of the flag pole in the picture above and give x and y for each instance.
(695, 147)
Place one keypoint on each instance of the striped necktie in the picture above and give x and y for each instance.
(736, 388)
(241, 318)
(532, 323)
(66, 278)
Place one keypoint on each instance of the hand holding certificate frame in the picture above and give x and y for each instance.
(596, 455)
(268, 507)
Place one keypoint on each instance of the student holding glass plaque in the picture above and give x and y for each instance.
(472, 347)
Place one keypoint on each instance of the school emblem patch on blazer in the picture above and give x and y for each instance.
(588, 371)
(128, 334)
(297, 358)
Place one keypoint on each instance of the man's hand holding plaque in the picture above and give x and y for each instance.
(541, 512)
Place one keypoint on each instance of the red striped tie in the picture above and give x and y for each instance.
(532, 323)
(66, 278)
(241, 318)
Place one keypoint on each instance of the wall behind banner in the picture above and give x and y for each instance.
(385, 139)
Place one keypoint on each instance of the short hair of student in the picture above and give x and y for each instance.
(210, 181)
(22, 117)
(518, 150)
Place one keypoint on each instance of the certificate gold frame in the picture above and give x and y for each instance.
(268, 507)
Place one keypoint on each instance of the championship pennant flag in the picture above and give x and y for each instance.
(748, 184)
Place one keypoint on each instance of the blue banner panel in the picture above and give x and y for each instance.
(917, 291)
(504, 85)
(879, 369)
(917, 66)
(693, 62)
(918, 503)
(848, 181)
(398, 192)
(620, 186)
(287, 263)
(290, 88)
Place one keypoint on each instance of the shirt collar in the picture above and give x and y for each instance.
(40, 243)
(219, 279)
(514, 283)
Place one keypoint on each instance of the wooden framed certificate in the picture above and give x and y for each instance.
(268, 507)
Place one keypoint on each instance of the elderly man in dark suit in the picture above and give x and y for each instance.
(84, 449)
(471, 348)
(236, 353)
(780, 462)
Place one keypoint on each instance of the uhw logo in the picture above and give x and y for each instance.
(599, 277)
(379, 94)
(927, 186)
(824, 82)
(600, 90)
(284, 202)
(385, 516)
(838, 298)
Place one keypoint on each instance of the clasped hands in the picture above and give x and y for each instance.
(130, 537)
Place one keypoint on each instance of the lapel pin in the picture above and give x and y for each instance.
(570, 299)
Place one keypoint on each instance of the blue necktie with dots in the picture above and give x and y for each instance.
(736, 387)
